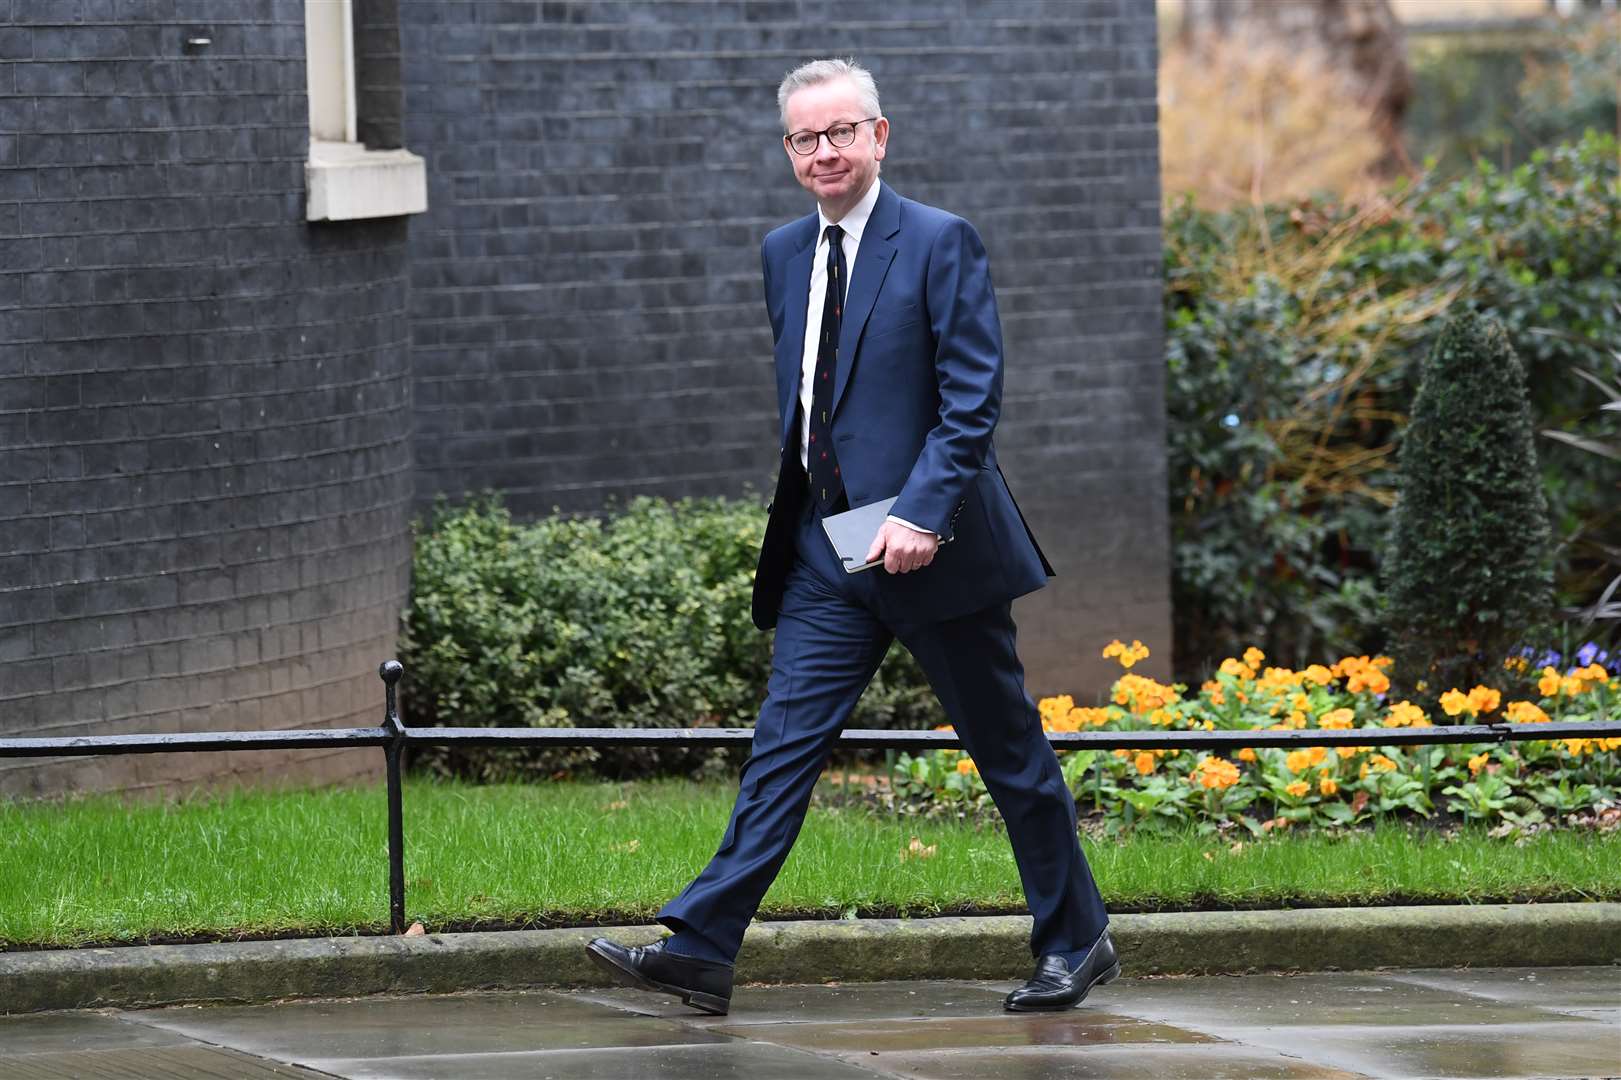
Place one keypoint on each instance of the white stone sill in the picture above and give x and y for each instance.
(346, 181)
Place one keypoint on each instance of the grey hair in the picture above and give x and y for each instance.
(820, 71)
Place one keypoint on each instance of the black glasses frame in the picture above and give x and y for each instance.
(788, 139)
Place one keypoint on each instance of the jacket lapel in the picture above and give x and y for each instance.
(872, 263)
(791, 346)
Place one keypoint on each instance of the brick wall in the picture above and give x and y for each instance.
(585, 286)
(205, 468)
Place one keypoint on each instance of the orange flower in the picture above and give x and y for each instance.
(1298, 788)
(1214, 772)
(1477, 762)
(1483, 699)
(1319, 674)
(1128, 655)
(1337, 720)
(1523, 712)
(1405, 714)
(966, 766)
(1246, 754)
(1144, 762)
(1328, 786)
(1455, 702)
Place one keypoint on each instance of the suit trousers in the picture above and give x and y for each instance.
(832, 632)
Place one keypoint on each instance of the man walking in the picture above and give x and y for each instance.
(889, 383)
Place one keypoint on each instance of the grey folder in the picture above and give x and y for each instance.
(853, 532)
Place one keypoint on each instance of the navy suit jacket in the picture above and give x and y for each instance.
(916, 395)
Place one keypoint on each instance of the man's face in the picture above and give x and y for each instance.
(836, 175)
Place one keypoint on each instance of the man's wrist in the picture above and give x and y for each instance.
(914, 528)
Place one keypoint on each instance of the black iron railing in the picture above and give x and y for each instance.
(393, 737)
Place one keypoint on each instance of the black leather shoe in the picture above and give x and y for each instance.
(706, 985)
(1054, 986)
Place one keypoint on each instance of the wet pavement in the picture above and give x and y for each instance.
(1484, 1022)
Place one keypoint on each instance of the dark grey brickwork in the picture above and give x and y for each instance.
(205, 467)
(586, 295)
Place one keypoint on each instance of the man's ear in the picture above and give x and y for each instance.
(880, 134)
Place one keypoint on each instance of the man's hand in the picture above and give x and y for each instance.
(903, 549)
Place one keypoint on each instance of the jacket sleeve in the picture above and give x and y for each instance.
(968, 365)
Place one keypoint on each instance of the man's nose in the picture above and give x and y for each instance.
(825, 150)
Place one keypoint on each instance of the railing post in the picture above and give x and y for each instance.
(390, 671)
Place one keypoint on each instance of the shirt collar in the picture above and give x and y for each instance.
(855, 221)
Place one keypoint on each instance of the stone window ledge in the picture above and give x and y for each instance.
(346, 181)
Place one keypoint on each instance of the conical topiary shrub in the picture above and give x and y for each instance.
(1467, 568)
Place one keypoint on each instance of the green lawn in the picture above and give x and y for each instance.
(258, 863)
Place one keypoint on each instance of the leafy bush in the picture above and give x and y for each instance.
(1294, 337)
(1467, 564)
(638, 619)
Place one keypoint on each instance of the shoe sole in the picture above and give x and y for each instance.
(708, 1003)
(1107, 977)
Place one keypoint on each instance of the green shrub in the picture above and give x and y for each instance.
(1294, 337)
(1467, 568)
(636, 619)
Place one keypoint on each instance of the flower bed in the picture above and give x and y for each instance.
(1519, 786)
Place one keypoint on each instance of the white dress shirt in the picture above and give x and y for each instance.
(853, 224)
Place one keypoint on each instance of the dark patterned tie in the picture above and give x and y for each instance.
(823, 464)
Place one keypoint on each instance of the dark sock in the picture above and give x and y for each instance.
(1074, 959)
(687, 943)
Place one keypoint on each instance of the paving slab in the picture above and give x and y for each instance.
(831, 1002)
(440, 1024)
(1577, 1049)
(170, 1062)
(73, 1031)
(1076, 1027)
(1592, 993)
(1218, 1062)
(733, 1061)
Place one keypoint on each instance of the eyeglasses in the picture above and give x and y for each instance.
(841, 134)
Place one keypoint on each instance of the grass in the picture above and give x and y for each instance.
(251, 864)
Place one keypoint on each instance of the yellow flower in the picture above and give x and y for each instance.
(1145, 762)
(1455, 702)
(1253, 656)
(1483, 699)
(1319, 674)
(1328, 786)
(1236, 668)
(1142, 695)
(1316, 754)
(1382, 763)
(1297, 761)
(1548, 685)
(1345, 752)
(1405, 714)
(1054, 708)
(1523, 712)
(1337, 720)
(1214, 772)
(1298, 788)
(1361, 674)
(1477, 762)
(1127, 655)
